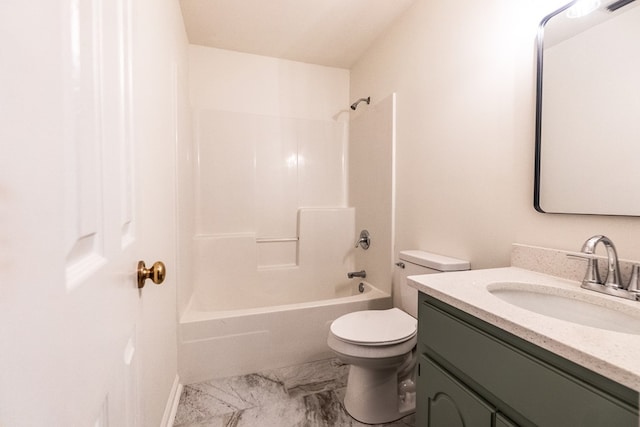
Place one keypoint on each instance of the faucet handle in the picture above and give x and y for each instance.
(634, 281)
(364, 240)
(593, 274)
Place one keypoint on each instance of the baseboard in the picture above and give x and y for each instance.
(172, 403)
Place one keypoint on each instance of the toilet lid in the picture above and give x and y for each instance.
(375, 327)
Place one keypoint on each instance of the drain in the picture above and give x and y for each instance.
(361, 287)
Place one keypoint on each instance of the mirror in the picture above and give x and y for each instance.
(588, 111)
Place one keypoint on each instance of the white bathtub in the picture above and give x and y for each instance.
(217, 341)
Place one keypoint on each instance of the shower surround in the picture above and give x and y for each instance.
(273, 235)
(269, 138)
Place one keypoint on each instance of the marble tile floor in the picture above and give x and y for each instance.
(307, 395)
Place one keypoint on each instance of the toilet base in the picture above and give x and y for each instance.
(372, 396)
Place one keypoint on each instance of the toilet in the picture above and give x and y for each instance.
(379, 345)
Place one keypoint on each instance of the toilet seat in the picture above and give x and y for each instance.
(375, 327)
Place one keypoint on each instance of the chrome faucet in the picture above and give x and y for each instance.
(364, 240)
(360, 273)
(612, 279)
(612, 284)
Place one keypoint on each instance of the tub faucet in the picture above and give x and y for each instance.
(360, 273)
(612, 279)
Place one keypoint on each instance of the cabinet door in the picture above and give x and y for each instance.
(502, 421)
(445, 402)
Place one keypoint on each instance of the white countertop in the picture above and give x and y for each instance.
(614, 355)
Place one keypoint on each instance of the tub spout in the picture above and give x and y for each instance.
(360, 273)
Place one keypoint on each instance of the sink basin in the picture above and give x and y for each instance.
(571, 306)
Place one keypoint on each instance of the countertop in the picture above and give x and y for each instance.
(615, 355)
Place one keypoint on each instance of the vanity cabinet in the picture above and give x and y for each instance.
(471, 373)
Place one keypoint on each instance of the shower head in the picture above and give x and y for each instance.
(355, 104)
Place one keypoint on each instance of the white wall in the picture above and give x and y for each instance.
(464, 75)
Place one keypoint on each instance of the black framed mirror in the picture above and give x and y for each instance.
(588, 109)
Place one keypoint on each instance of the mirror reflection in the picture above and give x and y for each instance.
(588, 109)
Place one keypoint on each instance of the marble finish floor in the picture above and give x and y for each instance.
(308, 395)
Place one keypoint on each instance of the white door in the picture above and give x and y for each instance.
(78, 209)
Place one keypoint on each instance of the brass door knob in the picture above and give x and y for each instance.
(156, 273)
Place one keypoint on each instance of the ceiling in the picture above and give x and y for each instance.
(334, 33)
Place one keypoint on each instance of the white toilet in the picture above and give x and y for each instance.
(380, 346)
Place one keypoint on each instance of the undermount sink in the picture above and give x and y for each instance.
(571, 306)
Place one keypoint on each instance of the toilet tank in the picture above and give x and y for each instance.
(419, 262)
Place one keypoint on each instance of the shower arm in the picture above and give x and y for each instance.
(355, 104)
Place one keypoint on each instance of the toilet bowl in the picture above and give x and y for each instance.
(376, 343)
(379, 346)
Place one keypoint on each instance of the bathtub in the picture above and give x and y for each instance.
(218, 341)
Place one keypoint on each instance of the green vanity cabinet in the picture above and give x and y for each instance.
(471, 373)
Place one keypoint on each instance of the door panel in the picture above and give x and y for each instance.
(74, 150)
